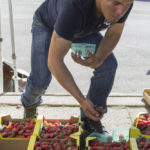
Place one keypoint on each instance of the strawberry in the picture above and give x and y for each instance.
(16, 124)
(20, 136)
(4, 134)
(67, 124)
(44, 143)
(15, 131)
(38, 148)
(37, 144)
(26, 135)
(46, 136)
(51, 135)
(6, 123)
(64, 147)
(121, 138)
(44, 147)
(18, 107)
(72, 148)
(20, 132)
(57, 147)
(100, 111)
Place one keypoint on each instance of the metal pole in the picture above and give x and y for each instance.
(13, 45)
(1, 63)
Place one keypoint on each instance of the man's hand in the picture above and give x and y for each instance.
(92, 61)
(89, 111)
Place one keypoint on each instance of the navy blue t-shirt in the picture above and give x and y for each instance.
(73, 18)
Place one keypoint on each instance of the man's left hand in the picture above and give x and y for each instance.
(92, 61)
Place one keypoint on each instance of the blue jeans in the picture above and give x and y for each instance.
(40, 76)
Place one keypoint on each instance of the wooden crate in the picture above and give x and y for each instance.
(146, 95)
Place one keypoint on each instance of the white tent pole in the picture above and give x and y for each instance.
(13, 45)
(1, 63)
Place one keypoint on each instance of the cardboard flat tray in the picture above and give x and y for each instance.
(28, 143)
(36, 127)
(33, 140)
(72, 119)
(15, 144)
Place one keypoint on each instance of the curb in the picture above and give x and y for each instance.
(66, 100)
(65, 94)
(72, 105)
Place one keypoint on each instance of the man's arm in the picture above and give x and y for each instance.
(58, 49)
(109, 41)
(105, 47)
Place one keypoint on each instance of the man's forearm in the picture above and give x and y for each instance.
(109, 41)
(106, 47)
(64, 77)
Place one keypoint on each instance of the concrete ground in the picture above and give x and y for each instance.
(132, 52)
(132, 77)
(122, 110)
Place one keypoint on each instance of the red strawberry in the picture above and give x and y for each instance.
(38, 148)
(20, 132)
(20, 136)
(37, 144)
(18, 106)
(26, 135)
(4, 134)
(44, 147)
(64, 147)
(51, 135)
(14, 131)
(6, 123)
(57, 147)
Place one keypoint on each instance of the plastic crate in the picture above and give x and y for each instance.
(104, 145)
(75, 136)
(88, 139)
(31, 143)
(133, 144)
(17, 143)
(139, 115)
(134, 131)
(146, 95)
(118, 135)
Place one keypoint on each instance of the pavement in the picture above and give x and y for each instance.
(122, 109)
(133, 74)
(132, 51)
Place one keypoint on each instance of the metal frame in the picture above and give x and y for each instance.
(13, 45)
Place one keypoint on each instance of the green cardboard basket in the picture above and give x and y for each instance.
(117, 132)
(80, 49)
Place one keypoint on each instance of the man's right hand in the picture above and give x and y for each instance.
(89, 111)
(92, 61)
